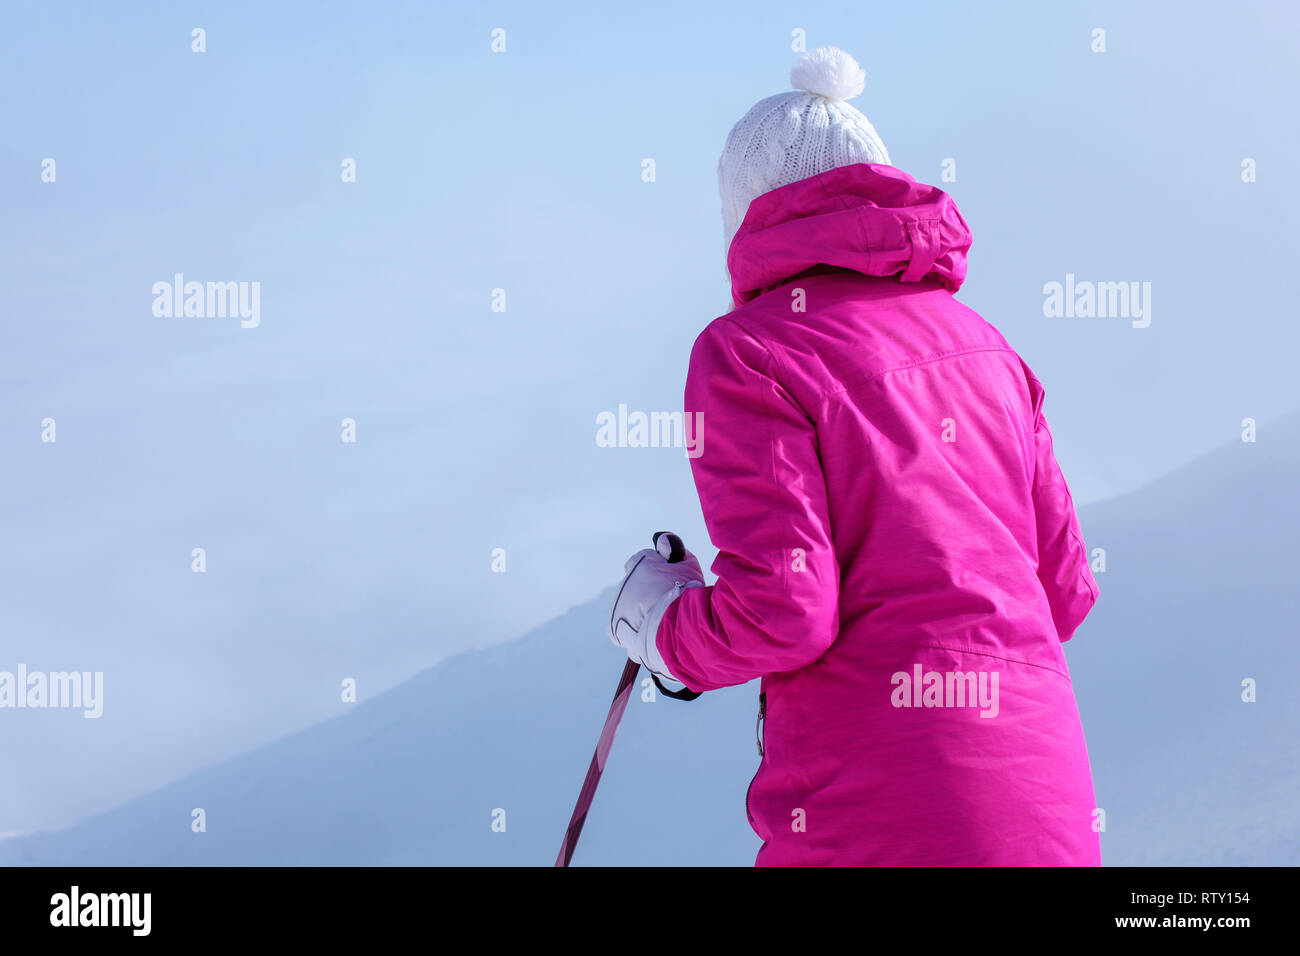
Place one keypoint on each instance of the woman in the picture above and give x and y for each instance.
(899, 556)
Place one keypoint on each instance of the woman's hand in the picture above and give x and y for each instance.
(650, 585)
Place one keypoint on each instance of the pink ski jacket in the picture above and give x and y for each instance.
(899, 556)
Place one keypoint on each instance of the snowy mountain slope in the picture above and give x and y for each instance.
(413, 776)
(1199, 593)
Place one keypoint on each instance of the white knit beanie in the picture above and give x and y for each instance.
(791, 136)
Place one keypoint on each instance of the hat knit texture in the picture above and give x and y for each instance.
(795, 135)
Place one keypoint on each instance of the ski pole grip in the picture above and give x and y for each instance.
(670, 546)
(674, 551)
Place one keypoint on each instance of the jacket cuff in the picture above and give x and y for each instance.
(650, 655)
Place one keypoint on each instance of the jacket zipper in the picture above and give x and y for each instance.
(758, 735)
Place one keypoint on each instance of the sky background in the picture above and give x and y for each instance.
(476, 429)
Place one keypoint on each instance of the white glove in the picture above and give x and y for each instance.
(650, 586)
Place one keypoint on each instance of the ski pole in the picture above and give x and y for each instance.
(671, 547)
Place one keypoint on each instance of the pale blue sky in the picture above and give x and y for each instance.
(476, 429)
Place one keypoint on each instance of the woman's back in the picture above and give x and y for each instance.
(899, 557)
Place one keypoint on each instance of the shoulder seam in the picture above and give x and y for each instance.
(775, 372)
(914, 363)
(773, 364)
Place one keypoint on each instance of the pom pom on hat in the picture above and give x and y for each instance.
(830, 72)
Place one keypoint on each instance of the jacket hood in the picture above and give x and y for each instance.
(867, 217)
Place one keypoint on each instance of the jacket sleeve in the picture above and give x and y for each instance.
(1062, 558)
(775, 605)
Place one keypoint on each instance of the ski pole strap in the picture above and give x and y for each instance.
(683, 694)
